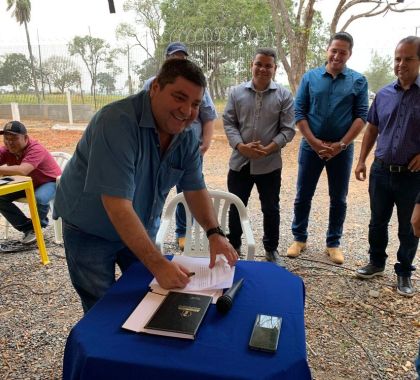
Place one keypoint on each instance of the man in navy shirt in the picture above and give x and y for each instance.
(330, 111)
(394, 124)
(112, 192)
(203, 127)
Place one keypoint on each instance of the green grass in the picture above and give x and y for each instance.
(30, 98)
(101, 100)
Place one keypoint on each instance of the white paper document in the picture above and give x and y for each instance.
(143, 312)
(205, 281)
(219, 277)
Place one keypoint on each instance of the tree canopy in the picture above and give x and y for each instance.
(93, 51)
(22, 13)
(15, 70)
(380, 71)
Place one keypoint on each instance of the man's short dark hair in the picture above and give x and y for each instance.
(266, 51)
(412, 40)
(342, 36)
(174, 68)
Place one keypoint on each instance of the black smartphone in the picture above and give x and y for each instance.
(266, 332)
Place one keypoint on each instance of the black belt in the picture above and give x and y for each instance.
(392, 168)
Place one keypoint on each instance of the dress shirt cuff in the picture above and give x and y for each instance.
(234, 141)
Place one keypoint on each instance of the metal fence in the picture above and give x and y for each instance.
(223, 54)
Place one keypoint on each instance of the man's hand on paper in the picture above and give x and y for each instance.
(218, 244)
(172, 275)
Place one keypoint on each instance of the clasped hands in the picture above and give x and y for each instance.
(253, 149)
(327, 150)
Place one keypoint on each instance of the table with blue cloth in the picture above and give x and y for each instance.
(98, 347)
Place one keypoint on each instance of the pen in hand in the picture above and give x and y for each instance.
(190, 274)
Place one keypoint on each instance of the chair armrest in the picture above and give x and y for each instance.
(161, 234)
(249, 237)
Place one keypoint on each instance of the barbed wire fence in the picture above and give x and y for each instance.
(223, 54)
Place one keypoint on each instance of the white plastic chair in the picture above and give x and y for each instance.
(62, 159)
(196, 242)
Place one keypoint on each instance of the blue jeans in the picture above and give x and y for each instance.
(180, 217)
(15, 216)
(338, 172)
(91, 262)
(268, 186)
(387, 189)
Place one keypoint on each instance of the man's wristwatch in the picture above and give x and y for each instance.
(343, 146)
(215, 230)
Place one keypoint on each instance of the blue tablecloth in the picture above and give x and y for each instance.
(98, 348)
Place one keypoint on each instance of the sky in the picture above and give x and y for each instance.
(58, 21)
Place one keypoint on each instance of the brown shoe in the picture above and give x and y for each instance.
(335, 254)
(296, 249)
(181, 243)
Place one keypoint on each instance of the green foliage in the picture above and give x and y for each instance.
(22, 10)
(30, 98)
(318, 42)
(106, 83)
(380, 71)
(61, 72)
(16, 72)
(92, 50)
(146, 70)
(221, 36)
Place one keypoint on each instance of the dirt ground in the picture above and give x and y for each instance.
(355, 329)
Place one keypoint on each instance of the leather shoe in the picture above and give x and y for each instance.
(296, 249)
(335, 254)
(369, 271)
(405, 286)
(181, 243)
(274, 257)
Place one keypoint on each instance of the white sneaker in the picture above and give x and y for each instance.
(28, 237)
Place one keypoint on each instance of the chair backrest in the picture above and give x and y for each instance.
(62, 158)
(196, 242)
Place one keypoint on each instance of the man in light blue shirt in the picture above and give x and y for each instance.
(112, 192)
(258, 121)
(330, 111)
(203, 127)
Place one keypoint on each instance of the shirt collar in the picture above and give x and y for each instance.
(271, 86)
(146, 119)
(397, 85)
(325, 72)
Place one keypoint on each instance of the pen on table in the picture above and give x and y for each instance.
(190, 274)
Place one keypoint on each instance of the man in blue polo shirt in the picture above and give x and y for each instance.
(112, 192)
(203, 127)
(330, 111)
(394, 124)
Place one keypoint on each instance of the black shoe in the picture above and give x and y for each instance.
(405, 286)
(274, 257)
(370, 271)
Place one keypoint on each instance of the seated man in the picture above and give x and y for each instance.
(26, 157)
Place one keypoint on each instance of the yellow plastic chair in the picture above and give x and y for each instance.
(62, 159)
(196, 242)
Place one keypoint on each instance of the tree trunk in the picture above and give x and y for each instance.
(32, 63)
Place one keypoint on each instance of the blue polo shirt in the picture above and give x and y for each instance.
(330, 105)
(119, 155)
(396, 114)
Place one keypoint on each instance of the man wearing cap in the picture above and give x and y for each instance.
(203, 127)
(21, 155)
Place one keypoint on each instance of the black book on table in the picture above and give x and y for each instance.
(179, 315)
